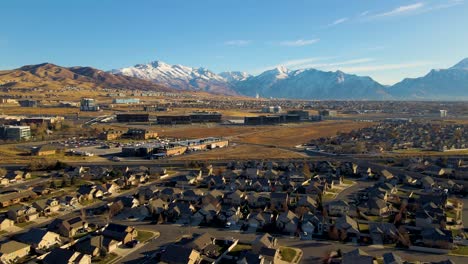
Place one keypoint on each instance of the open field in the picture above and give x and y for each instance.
(242, 152)
(12, 154)
(294, 134)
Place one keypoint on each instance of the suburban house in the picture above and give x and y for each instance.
(338, 208)
(46, 206)
(14, 176)
(176, 254)
(22, 213)
(12, 251)
(264, 241)
(392, 258)
(60, 255)
(258, 219)
(383, 233)
(94, 245)
(279, 200)
(375, 206)
(307, 202)
(346, 228)
(39, 239)
(287, 222)
(6, 224)
(205, 244)
(89, 192)
(313, 224)
(16, 197)
(438, 238)
(121, 233)
(233, 198)
(157, 206)
(67, 227)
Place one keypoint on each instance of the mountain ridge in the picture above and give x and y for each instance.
(53, 76)
(178, 77)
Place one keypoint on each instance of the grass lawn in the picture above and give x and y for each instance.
(363, 227)
(461, 250)
(287, 254)
(328, 196)
(451, 214)
(346, 181)
(374, 218)
(144, 236)
(107, 259)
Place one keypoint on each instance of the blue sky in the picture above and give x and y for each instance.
(387, 40)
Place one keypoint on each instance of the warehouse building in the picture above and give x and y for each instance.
(132, 117)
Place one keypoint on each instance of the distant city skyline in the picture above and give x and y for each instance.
(386, 40)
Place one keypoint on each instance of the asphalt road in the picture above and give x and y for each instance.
(349, 192)
(313, 250)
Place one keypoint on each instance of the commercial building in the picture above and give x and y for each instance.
(173, 120)
(195, 117)
(15, 132)
(205, 117)
(8, 101)
(140, 134)
(155, 108)
(173, 148)
(132, 117)
(89, 104)
(44, 150)
(126, 101)
(272, 109)
(110, 135)
(330, 113)
(262, 120)
(28, 103)
(443, 113)
(303, 115)
(49, 121)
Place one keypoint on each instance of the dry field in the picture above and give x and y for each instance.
(242, 152)
(263, 142)
(295, 134)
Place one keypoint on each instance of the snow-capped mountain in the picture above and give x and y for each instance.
(310, 84)
(445, 84)
(178, 77)
(234, 76)
(281, 82)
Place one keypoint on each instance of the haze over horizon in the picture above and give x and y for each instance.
(387, 41)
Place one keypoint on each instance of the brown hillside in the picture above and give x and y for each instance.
(53, 76)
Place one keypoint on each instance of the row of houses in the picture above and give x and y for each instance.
(50, 244)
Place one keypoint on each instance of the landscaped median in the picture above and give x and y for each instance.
(290, 255)
(144, 235)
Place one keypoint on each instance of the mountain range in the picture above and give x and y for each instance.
(54, 76)
(280, 82)
(183, 78)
